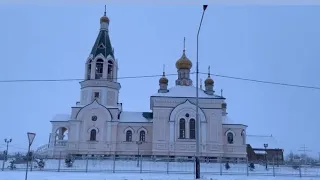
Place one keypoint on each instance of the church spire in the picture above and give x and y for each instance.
(163, 82)
(209, 83)
(102, 44)
(183, 66)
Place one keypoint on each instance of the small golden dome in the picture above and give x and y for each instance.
(163, 80)
(104, 19)
(183, 62)
(209, 81)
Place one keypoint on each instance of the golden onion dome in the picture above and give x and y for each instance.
(183, 62)
(163, 80)
(209, 81)
(104, 19)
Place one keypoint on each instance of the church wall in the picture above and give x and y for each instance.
(161, 132)
(237, 130)
(74, 112)
(238, 148)
(107, 96)
(123, 147)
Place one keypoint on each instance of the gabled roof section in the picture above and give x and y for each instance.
(134, 117)
(102, 45)
(257, 141)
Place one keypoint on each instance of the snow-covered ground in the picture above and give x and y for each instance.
(36, 175)
(176, 169)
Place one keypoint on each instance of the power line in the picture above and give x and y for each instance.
(60, 80)
(150, 76)
(266, 82)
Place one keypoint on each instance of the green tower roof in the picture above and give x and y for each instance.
(102, 44)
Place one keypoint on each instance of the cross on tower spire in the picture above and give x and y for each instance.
(184, 44)
(164, 70)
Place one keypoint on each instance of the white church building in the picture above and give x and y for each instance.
(97, 124)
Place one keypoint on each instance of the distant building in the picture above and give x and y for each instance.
(258, 153)
(98, 125)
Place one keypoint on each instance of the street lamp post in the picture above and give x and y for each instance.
(197, 164)
(31, 137)
(138, 143)
(278, 157)
(5, 154)
(265, 155)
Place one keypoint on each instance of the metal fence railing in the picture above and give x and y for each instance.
(167, 165)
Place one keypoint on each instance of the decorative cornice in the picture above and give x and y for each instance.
(100, 83)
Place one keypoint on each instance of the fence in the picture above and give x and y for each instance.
(167, 165)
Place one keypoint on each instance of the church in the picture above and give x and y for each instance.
(98, 125)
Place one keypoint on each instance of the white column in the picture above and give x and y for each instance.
(172, 136)
(109, 131)
(203, 134)
(172, 132)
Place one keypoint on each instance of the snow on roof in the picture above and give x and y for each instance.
(61, 117)
(259, 152)
(257, 141)
(227, 120)
(185, 91)
(126, 116)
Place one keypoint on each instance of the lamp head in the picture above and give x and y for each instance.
(31, 137)
(205, 7)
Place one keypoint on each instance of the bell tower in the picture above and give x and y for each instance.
(101, 70)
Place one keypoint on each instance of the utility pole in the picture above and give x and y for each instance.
(304, 149)
(5, 154)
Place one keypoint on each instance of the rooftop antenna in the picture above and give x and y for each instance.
(105, 10)
(209, 71)
(221, 92)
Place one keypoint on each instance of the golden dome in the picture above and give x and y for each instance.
(209, 81)
(183, 62)
(104, 19)
(163, 80)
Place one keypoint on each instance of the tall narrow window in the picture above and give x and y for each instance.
(93, 135)
(89, 69)
(142, 137)
(192, 125)
(243, 135)
(182, 128)
(99, 69)
(129, 136)
(96, 95)
(230, 138)
(110, 70)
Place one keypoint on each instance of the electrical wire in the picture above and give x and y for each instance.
(151, 76)
(266, 82)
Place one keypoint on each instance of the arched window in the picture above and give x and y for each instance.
(89, 69)
(230, 137)
(192, 125)
(93, 135)
(182, 128)
(129, 136)
(110, 70)
(243, 135)
(99, 69)
(142, 136)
